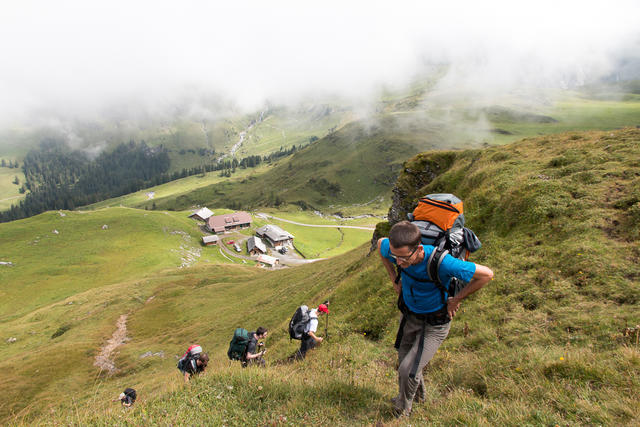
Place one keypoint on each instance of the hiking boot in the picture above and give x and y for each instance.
(399, 413)
(420, 395)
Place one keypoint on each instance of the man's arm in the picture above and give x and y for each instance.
(481, 277)
(313, 335)
(391, 269)
(250, 356)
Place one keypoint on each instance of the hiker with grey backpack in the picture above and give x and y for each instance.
(248, 347)
(304, 325)
(430, 282)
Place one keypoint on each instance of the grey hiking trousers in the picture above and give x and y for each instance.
(433, 337)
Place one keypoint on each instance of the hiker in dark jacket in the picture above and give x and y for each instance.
(427, 317)
(252, 355)
(127, 397)
(194, 366)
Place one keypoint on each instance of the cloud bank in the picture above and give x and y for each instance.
(77, 58)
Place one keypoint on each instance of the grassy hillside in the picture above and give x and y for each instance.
(9, 193)
(544, 344)
(57, 256)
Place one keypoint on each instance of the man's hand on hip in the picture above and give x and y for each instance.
(453, 304)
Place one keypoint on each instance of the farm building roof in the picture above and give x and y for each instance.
(210, 239)
(256, 242)
(203, 213)
(219, 223)
(266, 259)
(274, 233)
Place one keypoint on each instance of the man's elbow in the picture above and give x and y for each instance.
(484, 274)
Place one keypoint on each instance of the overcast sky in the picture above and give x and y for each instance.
(79, 56)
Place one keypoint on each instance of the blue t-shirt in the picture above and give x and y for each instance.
(426, 295)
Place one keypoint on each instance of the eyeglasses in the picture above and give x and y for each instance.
(404, 258)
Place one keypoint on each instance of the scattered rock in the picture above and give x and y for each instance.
(62, 213)
(12, 340)
(151, 354)
(149, 299)
(70, 303)
(6, 263)
(105, 227)
(56, 232)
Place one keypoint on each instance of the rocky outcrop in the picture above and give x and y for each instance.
(417, 173)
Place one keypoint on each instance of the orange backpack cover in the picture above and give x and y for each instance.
(442, 213)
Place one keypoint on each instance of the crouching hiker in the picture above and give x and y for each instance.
(304, 325)
(193, 362)
(244, 347)
(127, 397)
(427, 305)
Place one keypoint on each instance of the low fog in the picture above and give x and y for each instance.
(76, 60)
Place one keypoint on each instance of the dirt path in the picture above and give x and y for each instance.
(265, 216)
(104, 359)
(10, 198)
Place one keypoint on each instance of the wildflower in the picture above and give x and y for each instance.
(561, 358)
(259, 387)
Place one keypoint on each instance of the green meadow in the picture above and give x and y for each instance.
(9, 193)
(572, 113)
(176, 188)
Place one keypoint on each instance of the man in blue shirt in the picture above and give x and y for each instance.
(427, 311)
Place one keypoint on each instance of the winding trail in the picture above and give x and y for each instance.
(11, 198)
(265, 216)
(104, 360)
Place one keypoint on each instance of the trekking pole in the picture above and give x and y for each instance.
(326, 326)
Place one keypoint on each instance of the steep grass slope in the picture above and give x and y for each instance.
(551, 341)
(355, 164)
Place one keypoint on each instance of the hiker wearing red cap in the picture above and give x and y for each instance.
(309, 337)
(426, 300)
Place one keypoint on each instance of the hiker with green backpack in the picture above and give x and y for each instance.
(430, 283)
(244, 347)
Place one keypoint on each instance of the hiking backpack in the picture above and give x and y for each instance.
(440, 219)
(238, 344)
(298, 322)
(130, 396)
(192, 353)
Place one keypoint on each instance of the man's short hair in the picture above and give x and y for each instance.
(404, 234)
(261, 331)
(204, 359)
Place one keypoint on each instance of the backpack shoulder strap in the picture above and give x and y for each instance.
(433, 268)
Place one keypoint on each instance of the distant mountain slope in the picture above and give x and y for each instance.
(354, 164)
